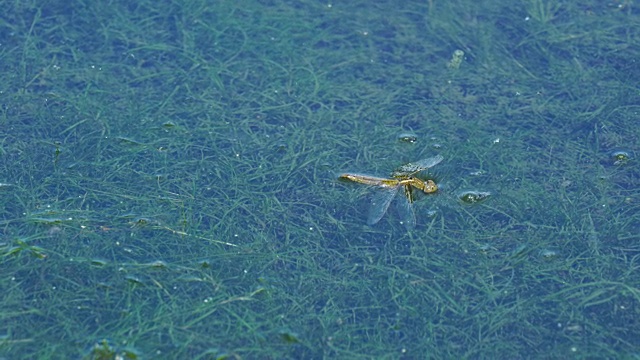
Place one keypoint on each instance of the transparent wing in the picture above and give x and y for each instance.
(406, 212)
(380, 203)
(420, 165)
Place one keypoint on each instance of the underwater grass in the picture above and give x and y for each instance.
(169, 186)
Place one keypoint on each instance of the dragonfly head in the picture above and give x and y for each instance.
(430, 187)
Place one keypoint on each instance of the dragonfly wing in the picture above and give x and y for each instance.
(417, 166)
(429, 163)
(380, 203)
(407, 215)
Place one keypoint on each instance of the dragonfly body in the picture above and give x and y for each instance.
(427, 186)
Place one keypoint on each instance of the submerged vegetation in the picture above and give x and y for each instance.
(168, 179)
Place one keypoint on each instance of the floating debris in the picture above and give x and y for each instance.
(134, 280)
(99, 262)
(620, 157)
(456, 59)
(158, 264)
(549, 254)
(408, 138)
(472, 197)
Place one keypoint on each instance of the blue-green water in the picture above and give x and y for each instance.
(169, 179)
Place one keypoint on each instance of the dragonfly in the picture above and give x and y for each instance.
(402, 179)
